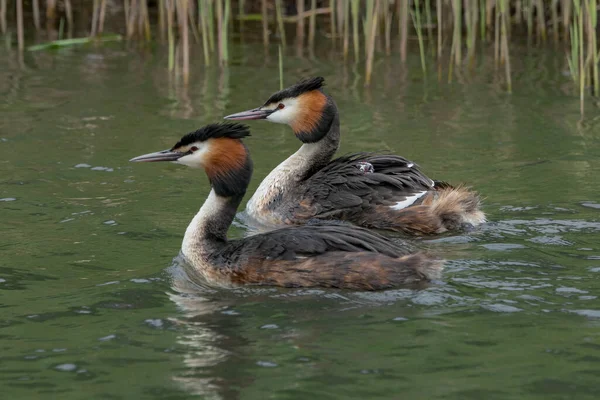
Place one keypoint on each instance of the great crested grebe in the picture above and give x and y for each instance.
(339, 256)
(380, 191)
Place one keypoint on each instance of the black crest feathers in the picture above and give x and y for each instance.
(303, 86)
(214, 131)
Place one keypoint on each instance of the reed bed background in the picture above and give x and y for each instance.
(445, 33)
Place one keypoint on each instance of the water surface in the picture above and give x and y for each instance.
(96, 305)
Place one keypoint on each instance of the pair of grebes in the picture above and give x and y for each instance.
(306, 197)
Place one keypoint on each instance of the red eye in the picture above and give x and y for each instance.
(193, 149)
(281, 106)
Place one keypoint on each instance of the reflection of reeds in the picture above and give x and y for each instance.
(457, 23)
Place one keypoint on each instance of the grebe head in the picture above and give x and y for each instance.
(218, 150)
(303, 106)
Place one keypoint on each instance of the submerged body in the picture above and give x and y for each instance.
(307, 256)
(382, 191)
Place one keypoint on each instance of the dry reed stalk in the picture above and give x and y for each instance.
(219, 11)
(529, 19)
(367, 23)
(144, 22)
(265, 22)
(482, 18)
(457, 34)
(280, 25)
(416, 17)
(403, 27)
(387, 27)
(332, 18)
(300, 26)
(225, 27)
(131, 6)
(346, 29)
(555, 25)
(20, 31)
(211, 25)
(339, 10)
(578, 28)
(35, 6)
(69, 15)
(355, 7)
(541, 20)
(497, 39)
(312, 24)
(280, 62)
(242, 12)
(50, 12)
(94, 29)
(489, 6)
(192, 20)
(372, 18)
(566, 10)
(101, 16)
(582, 71)
(170, 33)
(518, 12)
(162, 23)
(440, 27)
(3, 16)
(183, 18)
(202, 15)
(595, 57)
(126, 8)
(429, 22)
(504, 10)
(471, 15)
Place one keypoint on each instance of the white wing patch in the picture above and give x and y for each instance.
(408, 202)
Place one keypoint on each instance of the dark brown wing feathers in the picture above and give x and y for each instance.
(326, 256)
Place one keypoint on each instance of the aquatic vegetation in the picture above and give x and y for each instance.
(467, 28)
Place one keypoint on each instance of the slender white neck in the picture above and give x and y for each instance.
(282, 179)
(207, 224)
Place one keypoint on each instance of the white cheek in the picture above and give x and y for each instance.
(286, 115)
(196, 159)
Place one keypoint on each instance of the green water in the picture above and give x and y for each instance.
(95, 306)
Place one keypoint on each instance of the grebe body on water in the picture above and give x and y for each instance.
(337, 256)
(380, 191)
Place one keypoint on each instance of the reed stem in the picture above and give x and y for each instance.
(20, 29)
(280, 25)
(403, 27)
(372, 18)
(265, 23)
(355, 7)
(416, 17)
(202, 16)
(280, 61)
(312, 24)
(3, 16)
